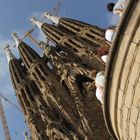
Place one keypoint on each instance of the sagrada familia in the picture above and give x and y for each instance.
(57, 91)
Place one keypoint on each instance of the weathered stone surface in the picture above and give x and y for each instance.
(123, 74)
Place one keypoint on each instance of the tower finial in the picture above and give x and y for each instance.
(37, 22)
(54, 19)
(16, 38)
(9, 54)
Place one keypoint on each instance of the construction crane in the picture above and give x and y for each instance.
(3, 118)
(4, 123)
(29, 33)
(10, 102)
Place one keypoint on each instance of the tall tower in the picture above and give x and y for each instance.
(52, 91)
(44, 122)
(90, 33)
(24, 92)
(87, 52)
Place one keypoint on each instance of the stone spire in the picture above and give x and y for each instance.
(9, 54)
(88, 32)
(16, 38)
(26, 91)
(54, 19)
(27, 54)
(75, 44)
(36, 22)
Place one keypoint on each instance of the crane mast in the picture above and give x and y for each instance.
(4, 123)
(32, 39)
(29, 33)
(10, 102)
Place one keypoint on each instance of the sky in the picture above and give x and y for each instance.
(15, 17)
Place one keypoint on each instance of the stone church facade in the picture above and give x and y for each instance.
(58, 100)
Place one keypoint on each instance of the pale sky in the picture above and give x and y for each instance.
(15, 16)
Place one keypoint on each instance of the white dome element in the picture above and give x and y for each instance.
(99, 94)
(54, 19)
(16, 38)
(105, 58)
(109, 34)
(9, 54)
(36, 22)
(100, 79)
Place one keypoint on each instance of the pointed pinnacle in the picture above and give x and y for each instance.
(16, 38)
(54, 19)
(36, 22)
(9, 54)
